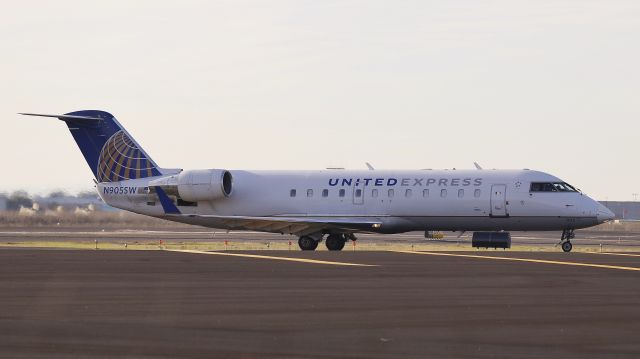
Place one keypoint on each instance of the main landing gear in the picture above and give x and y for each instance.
(307, 243)
(334, 242)
(565, 240)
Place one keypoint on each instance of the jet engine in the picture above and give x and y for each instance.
(204, 185)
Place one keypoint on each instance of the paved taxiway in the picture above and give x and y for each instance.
(61, 303)
(585, 239)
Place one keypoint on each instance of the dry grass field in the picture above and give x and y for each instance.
(115, 230)
(122, 219)
(102, 220)
(128, 220)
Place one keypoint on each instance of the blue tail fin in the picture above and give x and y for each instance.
(111, 153)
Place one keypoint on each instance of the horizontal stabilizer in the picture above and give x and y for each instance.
(63, 117)
(110, 151)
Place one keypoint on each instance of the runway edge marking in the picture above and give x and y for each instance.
(525, 260)
(288, 259)
(619, 254)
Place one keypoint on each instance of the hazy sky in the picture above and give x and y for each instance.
(548, 85)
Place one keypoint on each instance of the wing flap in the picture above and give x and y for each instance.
(285, 224)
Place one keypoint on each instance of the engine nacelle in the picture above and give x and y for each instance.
(204, 185)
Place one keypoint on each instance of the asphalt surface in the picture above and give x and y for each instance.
(627, 240)
(94, 304)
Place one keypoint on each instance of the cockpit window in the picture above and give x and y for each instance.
(564, 187)
(551, 187)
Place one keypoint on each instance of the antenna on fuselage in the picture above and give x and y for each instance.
(369, 166)
(477, 166)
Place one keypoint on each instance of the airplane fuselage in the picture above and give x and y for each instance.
(456, 200)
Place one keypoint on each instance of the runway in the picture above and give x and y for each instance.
(203, 239)
(290, 304)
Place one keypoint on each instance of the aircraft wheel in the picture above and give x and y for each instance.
(307, 243)
(567, 246)
(335, 242)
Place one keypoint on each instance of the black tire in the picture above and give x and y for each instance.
(567, 246)
(334, 242)
(307, 243)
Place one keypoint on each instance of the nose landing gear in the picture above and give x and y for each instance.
(565, 240)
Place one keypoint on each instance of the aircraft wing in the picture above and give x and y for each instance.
(298, 225)
(302, 225)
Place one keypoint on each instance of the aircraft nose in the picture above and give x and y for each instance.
(604, 214)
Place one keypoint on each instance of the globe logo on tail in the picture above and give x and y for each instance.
(121, 159)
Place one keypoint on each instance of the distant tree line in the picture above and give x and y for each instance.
(22, 198)
(17, 199)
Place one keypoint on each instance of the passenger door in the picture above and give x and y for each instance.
(499, 200)
(358, 193)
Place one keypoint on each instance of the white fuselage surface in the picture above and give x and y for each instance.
(456, 200)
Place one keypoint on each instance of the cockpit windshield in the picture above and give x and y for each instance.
(552, 187)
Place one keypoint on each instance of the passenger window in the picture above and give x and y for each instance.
(292, 193)
(443, 193)
(358, 193)
(341, 193)
(309, 193)
(390, 193)
(325, 193)
(374, 193)
(460, 193)
(476, 193)
(407, 193)
(425, 193)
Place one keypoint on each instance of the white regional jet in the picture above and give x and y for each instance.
(332, 203)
